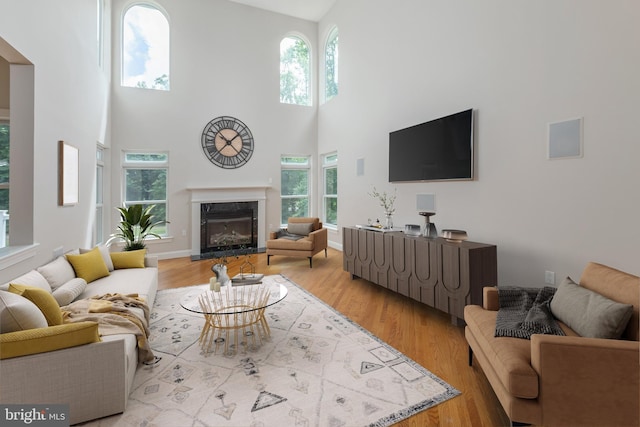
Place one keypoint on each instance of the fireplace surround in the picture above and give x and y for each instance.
(228, 226)
(227, 219)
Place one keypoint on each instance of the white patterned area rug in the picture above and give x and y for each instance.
(318, 368)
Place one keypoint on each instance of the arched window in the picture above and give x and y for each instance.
(145, 48)
(295, 76)
(331, 65)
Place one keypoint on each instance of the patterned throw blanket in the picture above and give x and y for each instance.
(115, 314)
(525, 311)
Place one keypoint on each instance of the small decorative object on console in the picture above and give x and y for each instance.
(429, 227)
(454, 235)
(412, 229)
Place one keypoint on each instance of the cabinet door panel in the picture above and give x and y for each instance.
(449, 268)
(424, 279)
(380, 258)
(400, 263)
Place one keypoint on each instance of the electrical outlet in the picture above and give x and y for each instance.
(550, 277)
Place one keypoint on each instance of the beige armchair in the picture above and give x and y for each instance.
(303, 237)
(567, 380)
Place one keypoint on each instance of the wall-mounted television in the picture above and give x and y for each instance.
(440, 149)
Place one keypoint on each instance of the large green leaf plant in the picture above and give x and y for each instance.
(136, 223)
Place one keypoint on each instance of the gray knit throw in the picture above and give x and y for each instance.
(525, 311)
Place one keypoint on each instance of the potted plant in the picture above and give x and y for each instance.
(136, 223)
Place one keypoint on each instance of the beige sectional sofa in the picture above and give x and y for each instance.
(571, 380)
(92, 374)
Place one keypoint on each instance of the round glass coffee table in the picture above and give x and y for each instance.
(235, 313)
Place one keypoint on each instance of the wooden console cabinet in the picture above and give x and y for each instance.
(444, 275)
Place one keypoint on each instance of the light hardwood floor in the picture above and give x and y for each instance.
(424, 334)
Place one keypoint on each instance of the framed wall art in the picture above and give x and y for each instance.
(68, 164)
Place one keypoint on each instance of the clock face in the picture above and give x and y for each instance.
(227, 142)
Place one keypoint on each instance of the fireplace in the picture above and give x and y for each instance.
(228, 226)
(232, 217)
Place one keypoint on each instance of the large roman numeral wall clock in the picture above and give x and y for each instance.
(227, 142)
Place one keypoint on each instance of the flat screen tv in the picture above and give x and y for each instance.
(440, 149)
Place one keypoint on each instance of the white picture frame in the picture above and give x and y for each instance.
(68, 174)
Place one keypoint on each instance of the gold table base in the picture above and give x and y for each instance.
(234, 312)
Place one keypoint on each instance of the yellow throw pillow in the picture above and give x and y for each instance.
(43, 299)
(40, 340)
(89, 266)
(128, 259)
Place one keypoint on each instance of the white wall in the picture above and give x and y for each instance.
(224, 62)
(520, 65)
(70, 103)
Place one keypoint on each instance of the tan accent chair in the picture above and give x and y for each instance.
(307, 246)
(567, 380)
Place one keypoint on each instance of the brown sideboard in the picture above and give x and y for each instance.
(442, 274)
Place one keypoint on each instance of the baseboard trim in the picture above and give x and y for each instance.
(173, 254)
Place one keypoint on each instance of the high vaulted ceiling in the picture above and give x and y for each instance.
(311, 10)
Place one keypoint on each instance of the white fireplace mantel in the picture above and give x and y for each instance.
(224, 194)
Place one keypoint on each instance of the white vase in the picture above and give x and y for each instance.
(221, 274)
(389, 222)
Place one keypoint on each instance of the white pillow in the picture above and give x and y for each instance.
(32, 278)
(18, 313)
(57, 272)
(68, 292)
(106, 256)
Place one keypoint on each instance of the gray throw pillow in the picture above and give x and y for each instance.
(589, 313)
(300, 228)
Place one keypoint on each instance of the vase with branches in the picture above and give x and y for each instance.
(386, 201)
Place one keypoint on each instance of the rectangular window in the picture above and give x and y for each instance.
(98, 225)
(4, 183)
(330, 190)
(100, 31)
(145, 183)
(294, 187)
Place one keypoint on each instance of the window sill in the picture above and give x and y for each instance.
(151, 241)
(12, 255)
